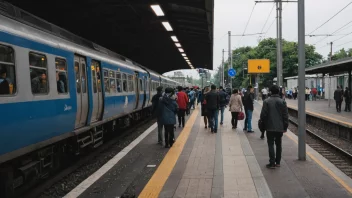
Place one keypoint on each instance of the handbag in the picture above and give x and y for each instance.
(240, 116)
(261, 125)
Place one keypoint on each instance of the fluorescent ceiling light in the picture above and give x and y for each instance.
(180, 49)
(178, 44)
(157, 10)
(174, 38)
(167, 26)
(183, 54)
(185, 57)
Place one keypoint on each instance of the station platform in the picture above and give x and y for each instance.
(321, 108)
(230, 163)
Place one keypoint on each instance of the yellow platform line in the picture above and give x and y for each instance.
(157, 182)
(332, 174)
(325, 117)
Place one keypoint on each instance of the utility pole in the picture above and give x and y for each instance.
(331, 43)
(279, 42)
(301, 83)
(222, 69)
(230, 60)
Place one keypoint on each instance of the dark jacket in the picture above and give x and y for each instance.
(155, 103)
(213, 100)
(167, 110)
(248, 101)
(223, 98)
(275, 114)
(4, 87)
(338, 95)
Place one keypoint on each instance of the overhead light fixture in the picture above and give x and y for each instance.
(178, 44)
(183, 54)
(157, 10)
(181, 50)
(185, 57)
(167, 26)
(174, 38)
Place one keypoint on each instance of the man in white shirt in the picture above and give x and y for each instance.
(264, 93)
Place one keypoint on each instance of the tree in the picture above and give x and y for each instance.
(266, 49)
(341, 54)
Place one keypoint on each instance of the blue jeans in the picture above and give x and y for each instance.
(248, 121)
(213, 118)
(222, 109)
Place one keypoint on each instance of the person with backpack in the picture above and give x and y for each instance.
(213, 105)
(191, 96)
(155, 104)
(347, 96)
(167, 110)
(203, 103)
(223, 103)
(182, 101)
(274, 116)
(248, 102)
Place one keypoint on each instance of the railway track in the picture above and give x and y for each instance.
(58, 181)
(336, 155)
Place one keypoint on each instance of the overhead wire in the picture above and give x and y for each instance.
(266, 21)
(249, 19)
(272, 23)
(336, 31)
(344, 43)
(331, 17)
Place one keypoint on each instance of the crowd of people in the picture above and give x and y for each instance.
(169, 103)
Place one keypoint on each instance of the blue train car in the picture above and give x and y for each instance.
(60, 94)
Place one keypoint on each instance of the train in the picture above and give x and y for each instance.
(60, 94)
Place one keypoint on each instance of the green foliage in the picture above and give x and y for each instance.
(266, 49)
(342, 54)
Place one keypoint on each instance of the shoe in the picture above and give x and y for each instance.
(233, 127)
(245, 129)
(212, 130)
(161, 143)
(167, 146)
(250, 131)
(206, 126)
(221, 123)
(179, 126)
(215, 131)
(271, 166)
(261, 137)
(277, 165)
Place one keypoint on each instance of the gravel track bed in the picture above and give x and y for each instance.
(70, 181)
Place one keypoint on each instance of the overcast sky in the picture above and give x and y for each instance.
(232, 15)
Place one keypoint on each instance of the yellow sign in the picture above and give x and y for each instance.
(258, 66)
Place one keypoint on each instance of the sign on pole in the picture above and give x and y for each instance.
(258, 66)
(232, 72)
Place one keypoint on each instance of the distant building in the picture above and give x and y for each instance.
(180, 77)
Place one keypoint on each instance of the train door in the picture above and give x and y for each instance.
(81, 91)
(143, 90)
(136, 89)
(97, 91)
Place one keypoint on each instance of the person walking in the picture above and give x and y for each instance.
(223, 103)
(338, 97)
(235, 106)
(182, 101)
(213, 105)
(274, 115)
(155, 104)
(264, 93)
(248, 102)
(167, 110)
(347, 96)
(314, 94)
(204, 106)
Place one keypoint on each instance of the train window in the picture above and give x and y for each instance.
(93, 67)
(61, 75)
(7, 71)
(84, 77)
(38, 73)
(78, 82)
(106, 81)
(112, 82)
(124, 82)
(141, 85)
(118, 82)
(130, 83)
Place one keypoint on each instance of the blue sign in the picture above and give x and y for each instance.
(232, 72)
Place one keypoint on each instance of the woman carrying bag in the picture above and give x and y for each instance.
(235, 105)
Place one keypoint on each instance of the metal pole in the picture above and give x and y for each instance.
(223, 68)
(230, 60)
(301, 83)
(280, 75)
(331, 51)
(329, 89)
